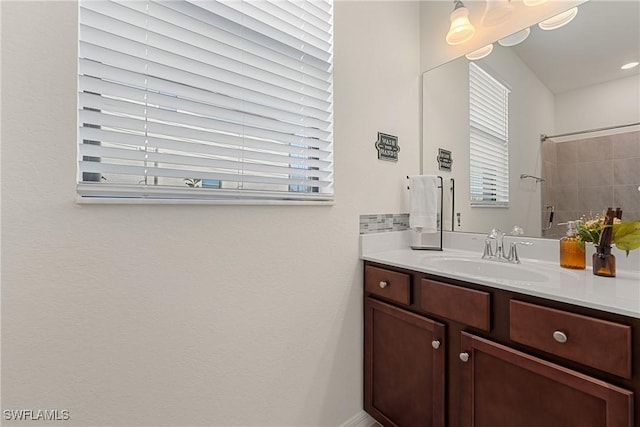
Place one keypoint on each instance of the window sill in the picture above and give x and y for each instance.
(243, 202)
(102, 194)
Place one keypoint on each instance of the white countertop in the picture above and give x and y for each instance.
(620, 294)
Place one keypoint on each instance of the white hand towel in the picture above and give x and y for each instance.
(423, 194)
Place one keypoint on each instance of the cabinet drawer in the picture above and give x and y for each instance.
(460, 304)
(388, 284)
(593, 342)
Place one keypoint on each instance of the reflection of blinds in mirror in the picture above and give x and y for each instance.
(489, 139)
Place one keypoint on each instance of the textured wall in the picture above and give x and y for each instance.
(191, 315)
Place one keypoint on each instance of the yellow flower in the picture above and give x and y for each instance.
(625, 235)
(589, 229)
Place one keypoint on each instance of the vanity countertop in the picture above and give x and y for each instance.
(620, 294)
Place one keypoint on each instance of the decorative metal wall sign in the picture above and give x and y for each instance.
(444, 160)
(387, 146)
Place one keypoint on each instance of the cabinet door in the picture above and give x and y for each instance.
(505, 387)
(403, 367)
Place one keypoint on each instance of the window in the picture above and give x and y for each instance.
(213, 100)
(489, 139)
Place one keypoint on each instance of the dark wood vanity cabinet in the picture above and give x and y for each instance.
(404, 355)
(441, 352)
(404, 367)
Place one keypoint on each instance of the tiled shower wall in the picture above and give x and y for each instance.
(584, 177)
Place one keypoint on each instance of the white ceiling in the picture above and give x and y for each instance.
(589, 50)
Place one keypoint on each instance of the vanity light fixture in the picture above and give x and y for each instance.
(560, 20)
(496, 12)
(629, 65)
(515, 38)
(461, 29)
(480, 53)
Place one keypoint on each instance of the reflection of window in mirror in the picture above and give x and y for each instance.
(489, 139)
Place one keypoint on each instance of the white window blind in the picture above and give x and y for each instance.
(489, 139)
(205, 99)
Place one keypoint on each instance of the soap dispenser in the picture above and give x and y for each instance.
(571, 255)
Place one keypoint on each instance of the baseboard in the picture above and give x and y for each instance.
(361, 419)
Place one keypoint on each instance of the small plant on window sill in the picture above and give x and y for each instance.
(193, 182)
(625, 235)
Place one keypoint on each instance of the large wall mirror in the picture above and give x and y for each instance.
(563, 81)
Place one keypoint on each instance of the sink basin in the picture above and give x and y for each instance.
(488, 269)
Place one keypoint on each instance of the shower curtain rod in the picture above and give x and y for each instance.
(544, 137)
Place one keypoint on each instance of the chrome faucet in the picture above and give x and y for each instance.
(513, 257)
(498, 254)
(500, 245)
(489, 252)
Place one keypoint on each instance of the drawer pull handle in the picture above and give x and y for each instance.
(383, 284)
(435, 344)
(561, 337)
(464, 357)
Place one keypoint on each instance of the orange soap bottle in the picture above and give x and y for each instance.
(571, 255)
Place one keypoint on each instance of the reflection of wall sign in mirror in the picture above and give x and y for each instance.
(387, 146)
(444, 160)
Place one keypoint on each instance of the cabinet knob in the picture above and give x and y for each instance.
(435, 344)
(464, 357)
(561, 337)
(383, 284)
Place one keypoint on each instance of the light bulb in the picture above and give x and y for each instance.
(560, 20)
(480, 53)
(461, 29)
(496, 12)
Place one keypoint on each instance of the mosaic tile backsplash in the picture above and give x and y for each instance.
(380, 223)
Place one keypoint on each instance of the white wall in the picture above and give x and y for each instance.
(445, 125)
(607, 104)
(191, 315)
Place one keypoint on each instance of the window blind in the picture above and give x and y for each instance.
(489, 139)
(205, 99)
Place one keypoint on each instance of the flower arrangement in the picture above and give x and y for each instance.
(625, 235)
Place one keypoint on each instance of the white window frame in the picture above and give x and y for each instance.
(489, 139)
(205, 101)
